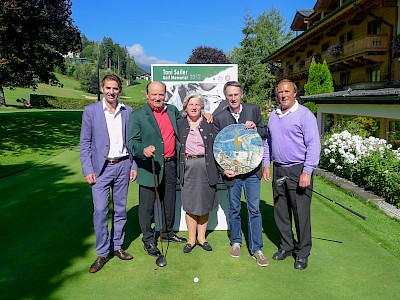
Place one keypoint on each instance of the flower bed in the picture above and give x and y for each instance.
(368, 162)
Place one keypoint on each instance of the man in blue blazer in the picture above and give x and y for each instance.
(107, 164)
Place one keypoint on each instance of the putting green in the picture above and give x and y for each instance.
(48, 245)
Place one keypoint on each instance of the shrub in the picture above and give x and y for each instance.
(319, 80)
(368, 162)
(312, 107)
(44, 101)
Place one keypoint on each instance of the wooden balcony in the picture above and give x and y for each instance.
(368, 50)
(365, 51)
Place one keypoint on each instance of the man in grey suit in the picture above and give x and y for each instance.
(250, 116)
(107, 164)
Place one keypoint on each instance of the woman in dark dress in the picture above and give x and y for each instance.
(198, 172)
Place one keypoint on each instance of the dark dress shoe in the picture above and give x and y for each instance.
(98, 264)
(281, 254)
(301, 263)
(152, 250)
(122, 254)
(188, 248)
(206, 246)
(175, 239)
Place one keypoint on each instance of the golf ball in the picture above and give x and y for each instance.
(196, 279)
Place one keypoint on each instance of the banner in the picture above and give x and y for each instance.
(207, 80)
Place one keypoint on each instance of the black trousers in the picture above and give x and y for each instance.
(292, 202)
(167, 195)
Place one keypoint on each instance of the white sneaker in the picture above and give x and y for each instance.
(235, 250)
(260, 258)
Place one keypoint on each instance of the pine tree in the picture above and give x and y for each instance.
(319, 79)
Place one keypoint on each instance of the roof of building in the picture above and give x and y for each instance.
(305, 12)
(298, 20)
(373, 96)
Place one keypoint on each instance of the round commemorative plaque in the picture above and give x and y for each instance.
(238, 149)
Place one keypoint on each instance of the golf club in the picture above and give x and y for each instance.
(281, 181)
(161, 260)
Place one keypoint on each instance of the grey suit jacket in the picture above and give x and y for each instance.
(94, 139)
(250, 112)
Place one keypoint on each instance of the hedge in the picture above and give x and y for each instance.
(45, 101)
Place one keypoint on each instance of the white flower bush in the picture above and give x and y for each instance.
(351, 148)
(369, 162)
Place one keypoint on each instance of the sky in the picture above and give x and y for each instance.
(166, 31)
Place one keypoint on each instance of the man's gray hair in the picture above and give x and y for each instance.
(286, 80)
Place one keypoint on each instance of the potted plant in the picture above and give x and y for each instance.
(278, 72)
(288, 69)
(316, 56)
(299, 63)
(336, 50)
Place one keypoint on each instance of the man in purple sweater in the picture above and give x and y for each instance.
(294, 146)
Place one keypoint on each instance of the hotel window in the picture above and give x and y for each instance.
(349, 36)
(374, 74)
(341, 39)
(344, 78)
(375, 27)
(325, 46)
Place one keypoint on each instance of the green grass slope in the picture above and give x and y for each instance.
(71, 89)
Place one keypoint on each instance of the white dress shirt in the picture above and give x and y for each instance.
(114, 126)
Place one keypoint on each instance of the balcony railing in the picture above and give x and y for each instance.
(369, 45)
(373, 47)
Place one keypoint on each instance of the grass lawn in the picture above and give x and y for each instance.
(29, 137)
(48, 240)
(71, 89)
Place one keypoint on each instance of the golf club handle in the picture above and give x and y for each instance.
(341, 205)
(153, 166)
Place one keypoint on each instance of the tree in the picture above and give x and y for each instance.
(108, 56)
(131, 69)
(319, 79)
(106, 52)
(34, 36)
(207, 55)
(262, 36)
(84, 74)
